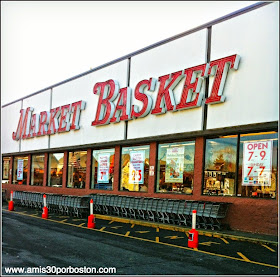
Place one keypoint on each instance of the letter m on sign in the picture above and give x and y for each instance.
(23, 124)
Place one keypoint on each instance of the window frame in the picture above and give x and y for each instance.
(276, 188)
(238, 134)
(48, 183)
(204, 163)
(13, 168)
(120, 166)
(91, 168)
(67, 168)
(31, 174)
(156, 165)
(9, 173)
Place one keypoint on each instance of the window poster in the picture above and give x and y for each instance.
(6, 167)
(257, 163)
(103, 168)
(174, 165)
(20, 170)
(136, 168)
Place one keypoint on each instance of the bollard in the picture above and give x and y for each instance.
(45, 208)
(11, 203)
(193, 234)
(91, 217)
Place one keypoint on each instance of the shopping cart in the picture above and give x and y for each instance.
(218, 212)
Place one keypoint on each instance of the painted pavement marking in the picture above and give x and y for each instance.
(243, 257)
(173, 237)
(116, 227)
(272, 250)
(208, 243)
(224, 240)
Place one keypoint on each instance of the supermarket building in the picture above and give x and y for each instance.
(193, 117)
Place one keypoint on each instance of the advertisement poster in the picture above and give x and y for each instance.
(20, 170)
(174, 165)
(136, 168)
(257, 163)
(103, 168)
(6, 167)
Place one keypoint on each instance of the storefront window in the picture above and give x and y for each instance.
(55, 171)
(77, 162)
(6, 169)
(135, 168)
(175, 167)
(20, 169)
(103, 169)
(257, 172)
(220, 166)
(37, 170)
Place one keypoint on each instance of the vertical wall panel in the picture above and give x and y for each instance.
(40, 102)
(9, 122)
(82, 89)
(252, 92)
(177, 55)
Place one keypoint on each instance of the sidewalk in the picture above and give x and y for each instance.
(234, 235)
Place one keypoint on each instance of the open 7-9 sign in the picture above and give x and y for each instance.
(257, 163)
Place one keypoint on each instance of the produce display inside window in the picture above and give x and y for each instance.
(103, 169)
(55, 172)
(20, 169)
(37, 170)
(220, 166)
(175, 167)
(77, 165)
(257, 172)
(135, 168)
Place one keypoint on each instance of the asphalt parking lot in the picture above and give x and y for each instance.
(131, 248)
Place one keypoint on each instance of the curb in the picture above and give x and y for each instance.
(184, 229)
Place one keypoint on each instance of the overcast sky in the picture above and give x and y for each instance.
(45, 42)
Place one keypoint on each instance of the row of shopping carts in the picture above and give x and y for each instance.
(179, 212)
(76, 206)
